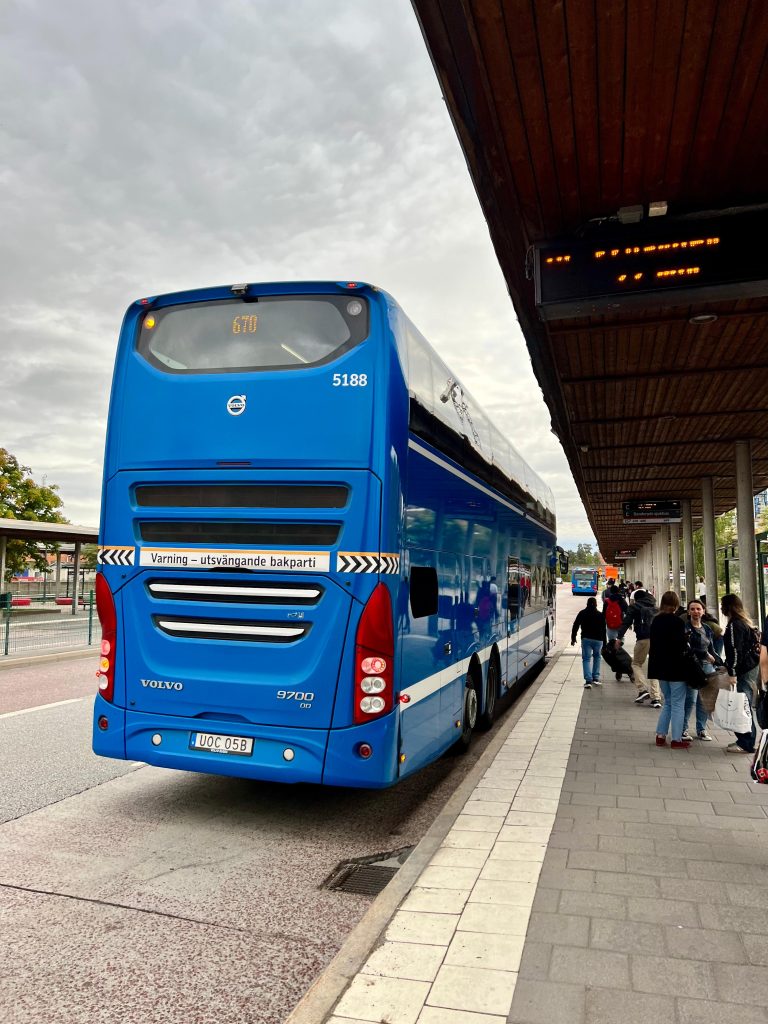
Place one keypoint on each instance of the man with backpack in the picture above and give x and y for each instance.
(614, 609)
(639, 617)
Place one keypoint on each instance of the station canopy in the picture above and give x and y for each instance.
(620, 154)
(47, 533)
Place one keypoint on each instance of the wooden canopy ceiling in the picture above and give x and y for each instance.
(568, 110)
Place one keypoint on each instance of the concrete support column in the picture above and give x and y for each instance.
(674, 544)
(745, 526)
(57, 587)
(76, 579)
(3, 549)
(688, 555)
(710, 553)
(662, 574)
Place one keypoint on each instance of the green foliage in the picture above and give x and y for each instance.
(88, 554)
(22, 498)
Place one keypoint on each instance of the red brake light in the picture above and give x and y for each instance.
(105, 606)
(374, 652)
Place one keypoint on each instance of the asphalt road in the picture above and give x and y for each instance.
(140, 894)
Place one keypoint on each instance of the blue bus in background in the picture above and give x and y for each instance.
(584, 581)
(318, 559)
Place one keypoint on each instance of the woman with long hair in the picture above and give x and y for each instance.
(741, 663)
(668, 645)
(699, 637)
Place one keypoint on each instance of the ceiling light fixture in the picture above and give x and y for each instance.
(702, 318)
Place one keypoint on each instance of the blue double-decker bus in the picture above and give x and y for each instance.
(319, 560)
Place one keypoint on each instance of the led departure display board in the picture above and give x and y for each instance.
(654, 263)
(621, 556)
(653, 512)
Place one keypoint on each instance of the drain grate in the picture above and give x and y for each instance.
(366, 876)
(362, 879)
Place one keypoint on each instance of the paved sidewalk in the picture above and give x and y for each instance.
(592, 878)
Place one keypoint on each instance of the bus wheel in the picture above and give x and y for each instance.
(492, 692)
(468, 714)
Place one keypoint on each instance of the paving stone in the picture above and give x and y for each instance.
(535, 960)
(667, 867)
(598, 967)
(586, 859)
(375, 999)
(478, 823)
(692, 979)
(510, 848)
(593, 800)
(702, 944)
(473, 989)
(490, 920)
(431, 929)
(450, 857)
(560, 928)
(626, 844)
(581, 881)
(590, 904)
(627, 885)
(623, 813)
(435, 901)
(518, 894)
(437, 877)
(658, 911)
(574, 841)
(405, 960)
(492, 951)
(752, 921)
(546, 901)
(696, 1011)
(738, 810)
(680, 848)
(688, 889)
(626, 936)
(547, 1002)
(612, 1006)
(737, 984)
(470, 840)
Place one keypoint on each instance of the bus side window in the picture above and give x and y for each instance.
(513, 588)
(424, 591)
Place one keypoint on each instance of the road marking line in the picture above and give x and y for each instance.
(43, 707)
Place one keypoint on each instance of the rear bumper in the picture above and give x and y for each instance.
(320, 756)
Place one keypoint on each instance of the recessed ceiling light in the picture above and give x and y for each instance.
(702, 318)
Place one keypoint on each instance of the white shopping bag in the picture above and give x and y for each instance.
(732, 711)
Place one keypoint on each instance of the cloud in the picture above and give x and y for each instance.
(154, 147)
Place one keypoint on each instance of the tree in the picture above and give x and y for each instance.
(22, 498)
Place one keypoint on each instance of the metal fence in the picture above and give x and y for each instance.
(44, 624)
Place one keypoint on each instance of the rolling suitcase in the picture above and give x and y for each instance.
(617, 659)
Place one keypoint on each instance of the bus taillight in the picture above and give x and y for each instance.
(105, 606)
(374, 651)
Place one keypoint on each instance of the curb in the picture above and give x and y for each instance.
(326, 990)
(25, 661)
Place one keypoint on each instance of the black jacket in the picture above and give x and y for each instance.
(739, 639)
(640, 615)
(592, 625)
(668, 645)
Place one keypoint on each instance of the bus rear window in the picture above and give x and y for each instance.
(270, 333)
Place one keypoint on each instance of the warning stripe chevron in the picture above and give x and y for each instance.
(115, 556)
(367, 561)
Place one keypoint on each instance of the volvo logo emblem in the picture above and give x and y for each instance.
(236, 405)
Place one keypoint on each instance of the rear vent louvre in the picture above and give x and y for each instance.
(236, 592)
(312, 534)
(233, 629)
(241, 496)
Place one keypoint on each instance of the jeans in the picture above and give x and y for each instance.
(745, 684)
(678, 701)
(612, 632)
(590, 658)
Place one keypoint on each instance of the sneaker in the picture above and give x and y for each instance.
(680, 744)
(733, 748)
(587, 686)
(661, 741)
(656, 704)
(686, 735)
(597, 682)
(643, 695)
(704, 737)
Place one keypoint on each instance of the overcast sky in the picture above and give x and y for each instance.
(152, 146)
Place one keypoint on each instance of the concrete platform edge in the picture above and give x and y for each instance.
(25, 660)
(326, 990)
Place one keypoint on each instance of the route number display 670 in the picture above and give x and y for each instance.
(350, 380)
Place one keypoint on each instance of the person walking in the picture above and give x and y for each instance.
(614, 608)
(639, 616)
(742, 663)
(699, 637)
(666, 663)
(591, 622)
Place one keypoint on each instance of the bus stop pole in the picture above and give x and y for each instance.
(689, 560)
(76, 579)
(710, 553)
(3, 549)
(674, 541)
(745, 528)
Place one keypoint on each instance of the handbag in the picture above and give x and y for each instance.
(732, 711)
(693, 673)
